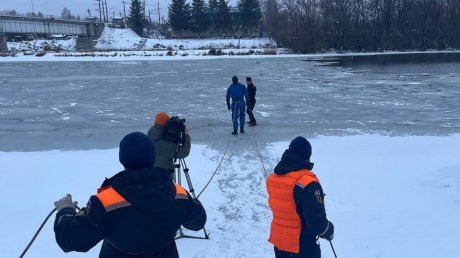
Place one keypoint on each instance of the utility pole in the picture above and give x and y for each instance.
(33, 9)
(106, 11)
(158, 12)
(124, 7)
(103, 11)
(100, 11)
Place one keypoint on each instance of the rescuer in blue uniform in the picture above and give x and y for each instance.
(238, 93)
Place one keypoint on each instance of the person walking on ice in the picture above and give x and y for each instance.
(296, 199)
(238, 93)
(252, 98)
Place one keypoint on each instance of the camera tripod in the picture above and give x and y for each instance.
(178, 164)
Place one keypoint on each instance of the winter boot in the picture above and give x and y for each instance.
(242, 130)
(235, 132)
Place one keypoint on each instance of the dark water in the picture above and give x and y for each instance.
(83, 105)
(388, 58)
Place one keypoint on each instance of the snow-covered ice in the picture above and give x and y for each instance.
(385, 149)
(388, 196)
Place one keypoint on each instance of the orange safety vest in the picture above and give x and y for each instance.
(286, 224)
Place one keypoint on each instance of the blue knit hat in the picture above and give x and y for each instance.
(301, 147)
(137, 151)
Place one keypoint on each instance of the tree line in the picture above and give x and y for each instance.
(201, 16)
(363, 25)
(216, 15)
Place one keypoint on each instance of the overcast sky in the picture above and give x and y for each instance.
(78, 7)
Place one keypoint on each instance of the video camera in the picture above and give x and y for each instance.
(174, 129)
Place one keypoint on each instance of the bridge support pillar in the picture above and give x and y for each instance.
(85, 44)
(3, 45)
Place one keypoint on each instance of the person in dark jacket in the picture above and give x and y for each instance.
(166, 149)
(136, 213)
(296, 199)
(252, 101)
(238, 93)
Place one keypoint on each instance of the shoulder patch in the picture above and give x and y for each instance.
(112, 200)
(319, 197)
(181, 193)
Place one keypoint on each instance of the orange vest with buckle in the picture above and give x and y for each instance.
(286, 224)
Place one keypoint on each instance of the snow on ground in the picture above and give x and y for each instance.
(41, 44)
(387, 196)
(207, 43)
(127, 40)
(121, 39)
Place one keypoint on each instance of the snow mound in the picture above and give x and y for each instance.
(119, 39)
(127, 39)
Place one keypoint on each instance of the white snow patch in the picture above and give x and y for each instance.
(384, 195)
(263, 114)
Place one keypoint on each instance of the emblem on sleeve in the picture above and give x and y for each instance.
(319, 197)
(85, 210)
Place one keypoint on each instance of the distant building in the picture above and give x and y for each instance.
(91, 19)
(118, 22)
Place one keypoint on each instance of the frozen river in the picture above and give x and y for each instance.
(87, 105)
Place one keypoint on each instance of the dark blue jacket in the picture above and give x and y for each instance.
(144, 225)
(237, 92)
(309, 205)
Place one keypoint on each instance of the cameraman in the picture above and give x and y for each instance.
(166, 149)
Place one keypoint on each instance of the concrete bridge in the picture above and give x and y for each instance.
(21, 25)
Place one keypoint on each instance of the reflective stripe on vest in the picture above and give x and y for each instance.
(286, 224)
(111, 199)
(180, 192)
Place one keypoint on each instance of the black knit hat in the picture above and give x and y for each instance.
(248, 79)
(235, 79)
(137, 151)
(301, 147)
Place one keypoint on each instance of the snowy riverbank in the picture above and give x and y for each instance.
(126, 43)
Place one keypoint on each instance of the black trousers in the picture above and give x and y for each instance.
(306, 251)
(249, 110)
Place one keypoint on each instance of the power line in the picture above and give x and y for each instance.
(124, 7)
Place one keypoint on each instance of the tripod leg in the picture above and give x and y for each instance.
(192, 190)
(187, 176)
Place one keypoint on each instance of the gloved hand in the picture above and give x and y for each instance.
(64, 202)
(228, 106)
(329, 234)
